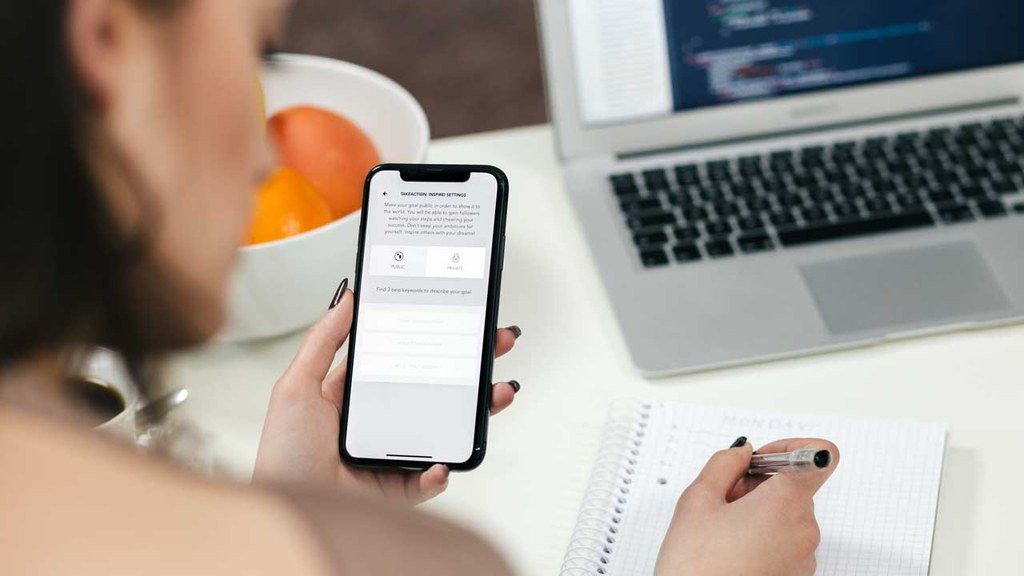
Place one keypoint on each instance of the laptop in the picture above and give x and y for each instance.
(758, 179)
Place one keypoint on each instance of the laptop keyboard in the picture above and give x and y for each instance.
(757, 204)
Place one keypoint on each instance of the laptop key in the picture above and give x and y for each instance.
(710, 193)
(651, 239)
(991, 208)
(653, 258)
(813, 214)
(955, 213)
(656, 179)
(973, 191)
(750, 223)
(790, 200)
(687, 174)
(782, 218)
(684, 233)
(650, 220)
(759, 204)
(686, 253)
(844, 210)
(719, 248)
(718, 169)
(726, 208)
(940, 196)
(855, 228)
(624, 185)
(751, 243)
(908, 200)
(1007, 187)
(751, 166)
(717, 227)
(622, 180)
(694, 213)
(637, 204)
(877, 204)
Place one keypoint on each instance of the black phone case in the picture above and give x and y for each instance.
(439, 173)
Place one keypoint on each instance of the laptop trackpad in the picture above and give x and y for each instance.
(912, 287)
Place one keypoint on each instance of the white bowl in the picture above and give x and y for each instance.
(282, 286)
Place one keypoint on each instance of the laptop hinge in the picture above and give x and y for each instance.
(970, 107)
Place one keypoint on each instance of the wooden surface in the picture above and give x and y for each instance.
(473, 64)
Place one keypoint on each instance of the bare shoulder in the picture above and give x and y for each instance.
(74, 504)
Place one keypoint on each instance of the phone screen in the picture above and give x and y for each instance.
(426, 270)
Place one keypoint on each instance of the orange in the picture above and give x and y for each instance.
(330, 150)
(286, 205)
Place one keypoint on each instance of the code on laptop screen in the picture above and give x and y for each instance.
(721, 51)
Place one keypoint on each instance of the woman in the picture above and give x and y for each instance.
(130, 148)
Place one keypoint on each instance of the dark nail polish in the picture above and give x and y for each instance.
(741, 441)
(516, 331)
(339, 294)
(515, 385)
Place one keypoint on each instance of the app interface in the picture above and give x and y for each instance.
(422, 305)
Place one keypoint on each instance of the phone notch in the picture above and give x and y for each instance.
(436, 173)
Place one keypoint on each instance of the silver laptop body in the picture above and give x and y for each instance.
(757, 182)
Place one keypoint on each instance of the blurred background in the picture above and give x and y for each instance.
(474, 65)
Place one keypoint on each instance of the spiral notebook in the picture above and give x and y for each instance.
(877, 512)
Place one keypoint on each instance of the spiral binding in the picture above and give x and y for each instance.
(606, 500)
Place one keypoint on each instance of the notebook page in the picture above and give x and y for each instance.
(877, 512)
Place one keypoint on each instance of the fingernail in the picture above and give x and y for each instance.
(339, 294)
(515, 385)
(741, 441)
(516, 331)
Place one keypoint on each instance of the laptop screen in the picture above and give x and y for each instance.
(638, 59)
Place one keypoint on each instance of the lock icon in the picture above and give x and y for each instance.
(455, 258)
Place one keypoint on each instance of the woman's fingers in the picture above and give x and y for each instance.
(748, 484)
(322, 342)
(427, 484)
(506, 339)
(745, 486)
(502, 395)
(720, 475)
(334, 385)
(804, 482)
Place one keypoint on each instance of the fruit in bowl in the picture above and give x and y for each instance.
(325, 158)
(286, 205)
(329, 149)
(284, 284)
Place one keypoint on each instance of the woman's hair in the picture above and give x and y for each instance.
(63, 262)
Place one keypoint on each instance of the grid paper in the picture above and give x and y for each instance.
(877, 512)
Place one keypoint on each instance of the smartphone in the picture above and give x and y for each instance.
(421, 349)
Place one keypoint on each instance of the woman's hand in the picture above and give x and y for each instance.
(300, 436)
(728, 523)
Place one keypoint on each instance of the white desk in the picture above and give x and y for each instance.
(572, 362)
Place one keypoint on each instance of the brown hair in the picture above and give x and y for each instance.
(65, 268)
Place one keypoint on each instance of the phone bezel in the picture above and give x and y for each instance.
(444, 173)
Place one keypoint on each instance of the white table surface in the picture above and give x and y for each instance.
(572, 362)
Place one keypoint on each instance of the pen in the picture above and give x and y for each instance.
(795, 461)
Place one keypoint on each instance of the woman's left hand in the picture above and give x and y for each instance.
(299, 444)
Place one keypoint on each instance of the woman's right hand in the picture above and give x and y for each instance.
(728, 523)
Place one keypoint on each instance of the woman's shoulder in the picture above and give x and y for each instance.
(76, 503)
